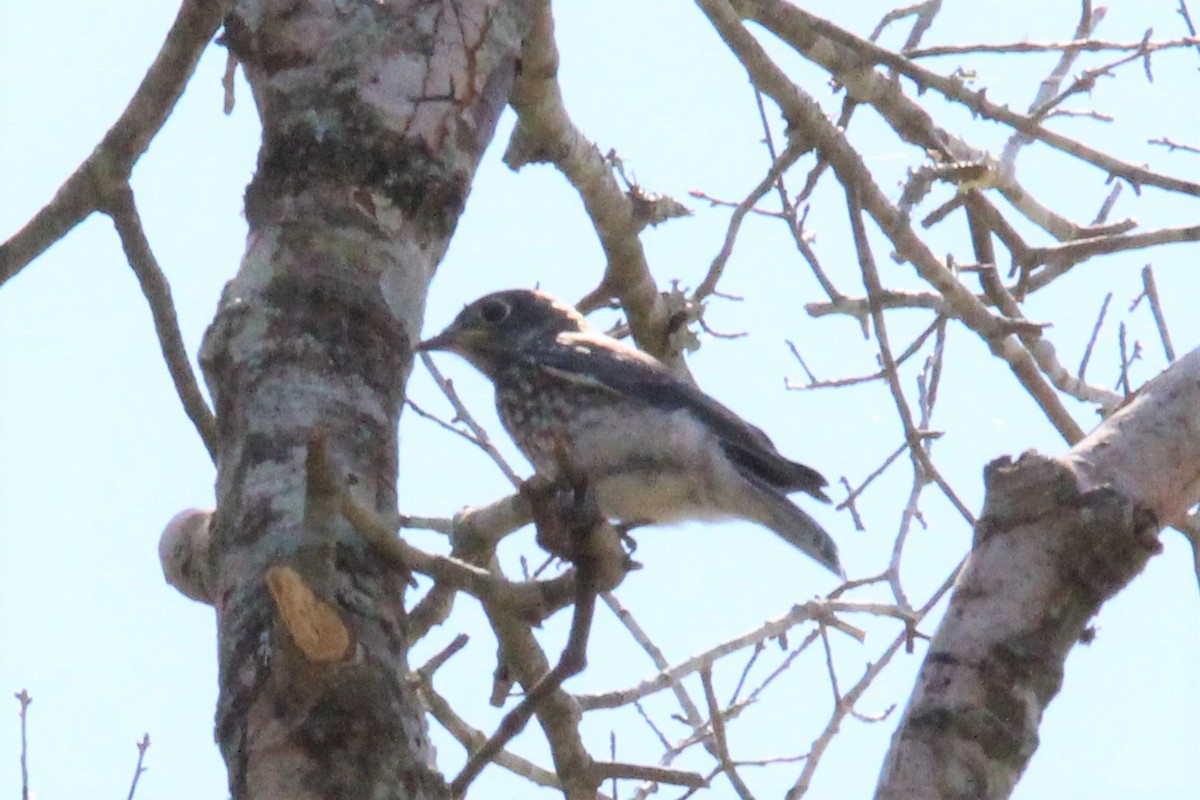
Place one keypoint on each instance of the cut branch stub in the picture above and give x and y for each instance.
(185, 551)
(313, 624)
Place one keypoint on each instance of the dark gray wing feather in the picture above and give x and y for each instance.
(602, 362)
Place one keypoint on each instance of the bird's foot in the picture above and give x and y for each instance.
(626, 538)
(563, 514)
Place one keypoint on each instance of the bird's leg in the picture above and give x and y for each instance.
(549, 503)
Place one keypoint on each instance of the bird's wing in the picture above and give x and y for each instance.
(595, 360)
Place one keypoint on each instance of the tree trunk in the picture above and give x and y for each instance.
(1057, 538)
(374, 119)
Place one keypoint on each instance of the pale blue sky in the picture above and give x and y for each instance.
(95, 453)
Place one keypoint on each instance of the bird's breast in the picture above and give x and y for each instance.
(645, 463)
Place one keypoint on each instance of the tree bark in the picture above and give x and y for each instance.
(374, 119)
(1057, 538)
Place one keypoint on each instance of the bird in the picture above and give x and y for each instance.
(654, 448)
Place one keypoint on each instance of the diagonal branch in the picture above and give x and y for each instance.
(808, 120)
(545, 132)
(120, 206)
(1089, 20)
(797, 27)
(111, 163)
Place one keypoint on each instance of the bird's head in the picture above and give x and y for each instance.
(494, 329)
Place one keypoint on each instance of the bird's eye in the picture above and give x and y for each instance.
(493, 312)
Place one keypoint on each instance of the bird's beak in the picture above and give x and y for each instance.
(446, 340)
(455, 339)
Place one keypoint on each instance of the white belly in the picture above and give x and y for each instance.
(650, 466)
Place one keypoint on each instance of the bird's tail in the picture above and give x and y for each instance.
(796, 527)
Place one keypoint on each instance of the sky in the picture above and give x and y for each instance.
(96, 454)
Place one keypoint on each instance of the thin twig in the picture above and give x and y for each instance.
(1087, 352)
(887, 462)
(835, 383)
(690, 711)
(442, 656)
(812, 379)
(1127, 359)
(750, 662)
(789, 157)
(1173, 145)
(1110, 200)
(717, 723)
(142, 747)
(24, 699)
(443, 424)
(872, 671)
(1090, 45)
(873, 286)
(1187, 20)
(1160, 320)
(924, 12)
(464, 416)
(823, 611)
(784, 665)
(662, 739)
(718, 202)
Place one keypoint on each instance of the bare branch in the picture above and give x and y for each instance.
(142, 747)
(873, 286)
(24, 699)
(120, 206)
(471, 738)
(720, 744)
(789, 157)
(822, 742)
(461, 414)
(1087, 351)
(1089, 45)
(1057, 260)
(1045, 99)
(808, 119)
(1187, 19)
(1160, 320)
(690, 710)
(1172, 145)
(823, 611)
(617, 770)
(797, 27)
(924, 13)
(545, 132)
(111, 163)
